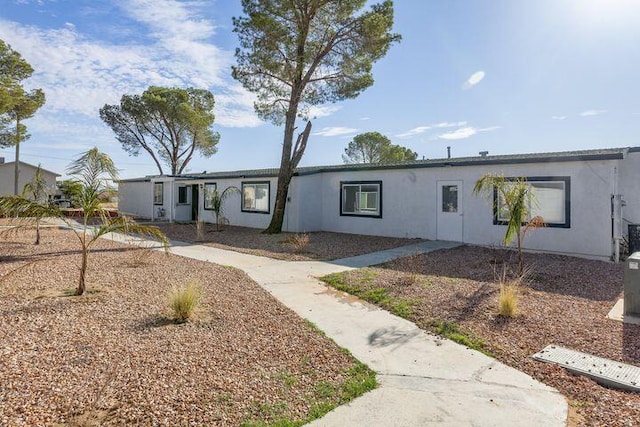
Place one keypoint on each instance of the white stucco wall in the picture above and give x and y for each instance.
(629, 179)
(27, 172)
(135, 199)
(410, 208)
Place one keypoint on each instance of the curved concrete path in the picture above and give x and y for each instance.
(424, 380)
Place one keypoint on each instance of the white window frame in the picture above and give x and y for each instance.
(359, 210)
(158, 197)
(255, 185)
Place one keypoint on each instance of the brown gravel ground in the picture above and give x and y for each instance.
(566, 304)
(322, 245)
(113, 357)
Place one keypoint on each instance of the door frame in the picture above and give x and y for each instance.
(460, 211)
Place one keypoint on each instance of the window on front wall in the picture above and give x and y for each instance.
(209, 192)
(549, 198)
(255, 197)
(158, 193)
(182, 195)
(361, 198)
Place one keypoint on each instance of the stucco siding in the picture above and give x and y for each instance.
(410, 209)
(135, 199)
(27, 173)
(629, 179)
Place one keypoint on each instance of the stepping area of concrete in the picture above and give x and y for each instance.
(424, 380)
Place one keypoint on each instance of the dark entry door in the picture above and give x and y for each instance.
(195, 202)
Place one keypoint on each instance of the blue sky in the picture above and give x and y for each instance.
(496, 75)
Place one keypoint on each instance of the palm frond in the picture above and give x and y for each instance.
(129, 226)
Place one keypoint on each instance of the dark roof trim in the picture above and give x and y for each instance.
(568, 156)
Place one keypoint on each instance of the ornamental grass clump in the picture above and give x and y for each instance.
(184, 301)
(298, 242)
(510, 292)
(508, 299)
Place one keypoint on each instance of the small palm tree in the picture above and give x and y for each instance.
(516, 195)
(90, 170)
(38, 191)
(216, 200)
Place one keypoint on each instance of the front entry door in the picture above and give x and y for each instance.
(195, 202)
(449, 226)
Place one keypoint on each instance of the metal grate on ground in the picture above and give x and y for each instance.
(604, 371)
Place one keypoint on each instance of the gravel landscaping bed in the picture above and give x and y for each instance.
(565, 303)
(322, 245)
(114, 357)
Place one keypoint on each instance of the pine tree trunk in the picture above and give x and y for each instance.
(37, 232)
(16, 167)
(284, 176)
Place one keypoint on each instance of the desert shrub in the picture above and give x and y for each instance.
(508, 299)
(298, 242)
(139, 256)
(184, 301)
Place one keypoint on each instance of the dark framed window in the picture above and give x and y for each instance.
(361, 198)
(549, 197)
(158, 193)
(183, 195)
(255, 197)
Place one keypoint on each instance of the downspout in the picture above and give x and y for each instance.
(616, 212)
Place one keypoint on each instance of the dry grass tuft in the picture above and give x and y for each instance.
(184, 301)
(509, 292)
(508, 299)
(298, 242)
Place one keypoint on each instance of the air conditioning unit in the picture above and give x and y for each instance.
(160, 213)
(632, 286)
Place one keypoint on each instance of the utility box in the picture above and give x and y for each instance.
(632, 285)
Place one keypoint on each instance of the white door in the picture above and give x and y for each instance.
(449, 226)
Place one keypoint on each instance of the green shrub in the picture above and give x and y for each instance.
(184, 301)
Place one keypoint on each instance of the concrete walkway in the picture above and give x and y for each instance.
(424, 380)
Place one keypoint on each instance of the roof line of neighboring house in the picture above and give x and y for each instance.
(565, 156)
(33, 166)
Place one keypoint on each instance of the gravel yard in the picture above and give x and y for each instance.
(566, 304)
(322, 245)
(114, 357)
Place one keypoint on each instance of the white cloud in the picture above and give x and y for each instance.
(79, 74)
(317, 111)
(558, 117)
(589, 113)
(413, 132)
(335, 131)
(466, 132)
(365, 118)
(449, 124)
(422, 129)
(473, 80)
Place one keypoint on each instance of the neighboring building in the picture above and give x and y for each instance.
(586, 198)
(27, 172)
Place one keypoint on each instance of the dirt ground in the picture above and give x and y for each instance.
(322, 245)
(115, 357)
